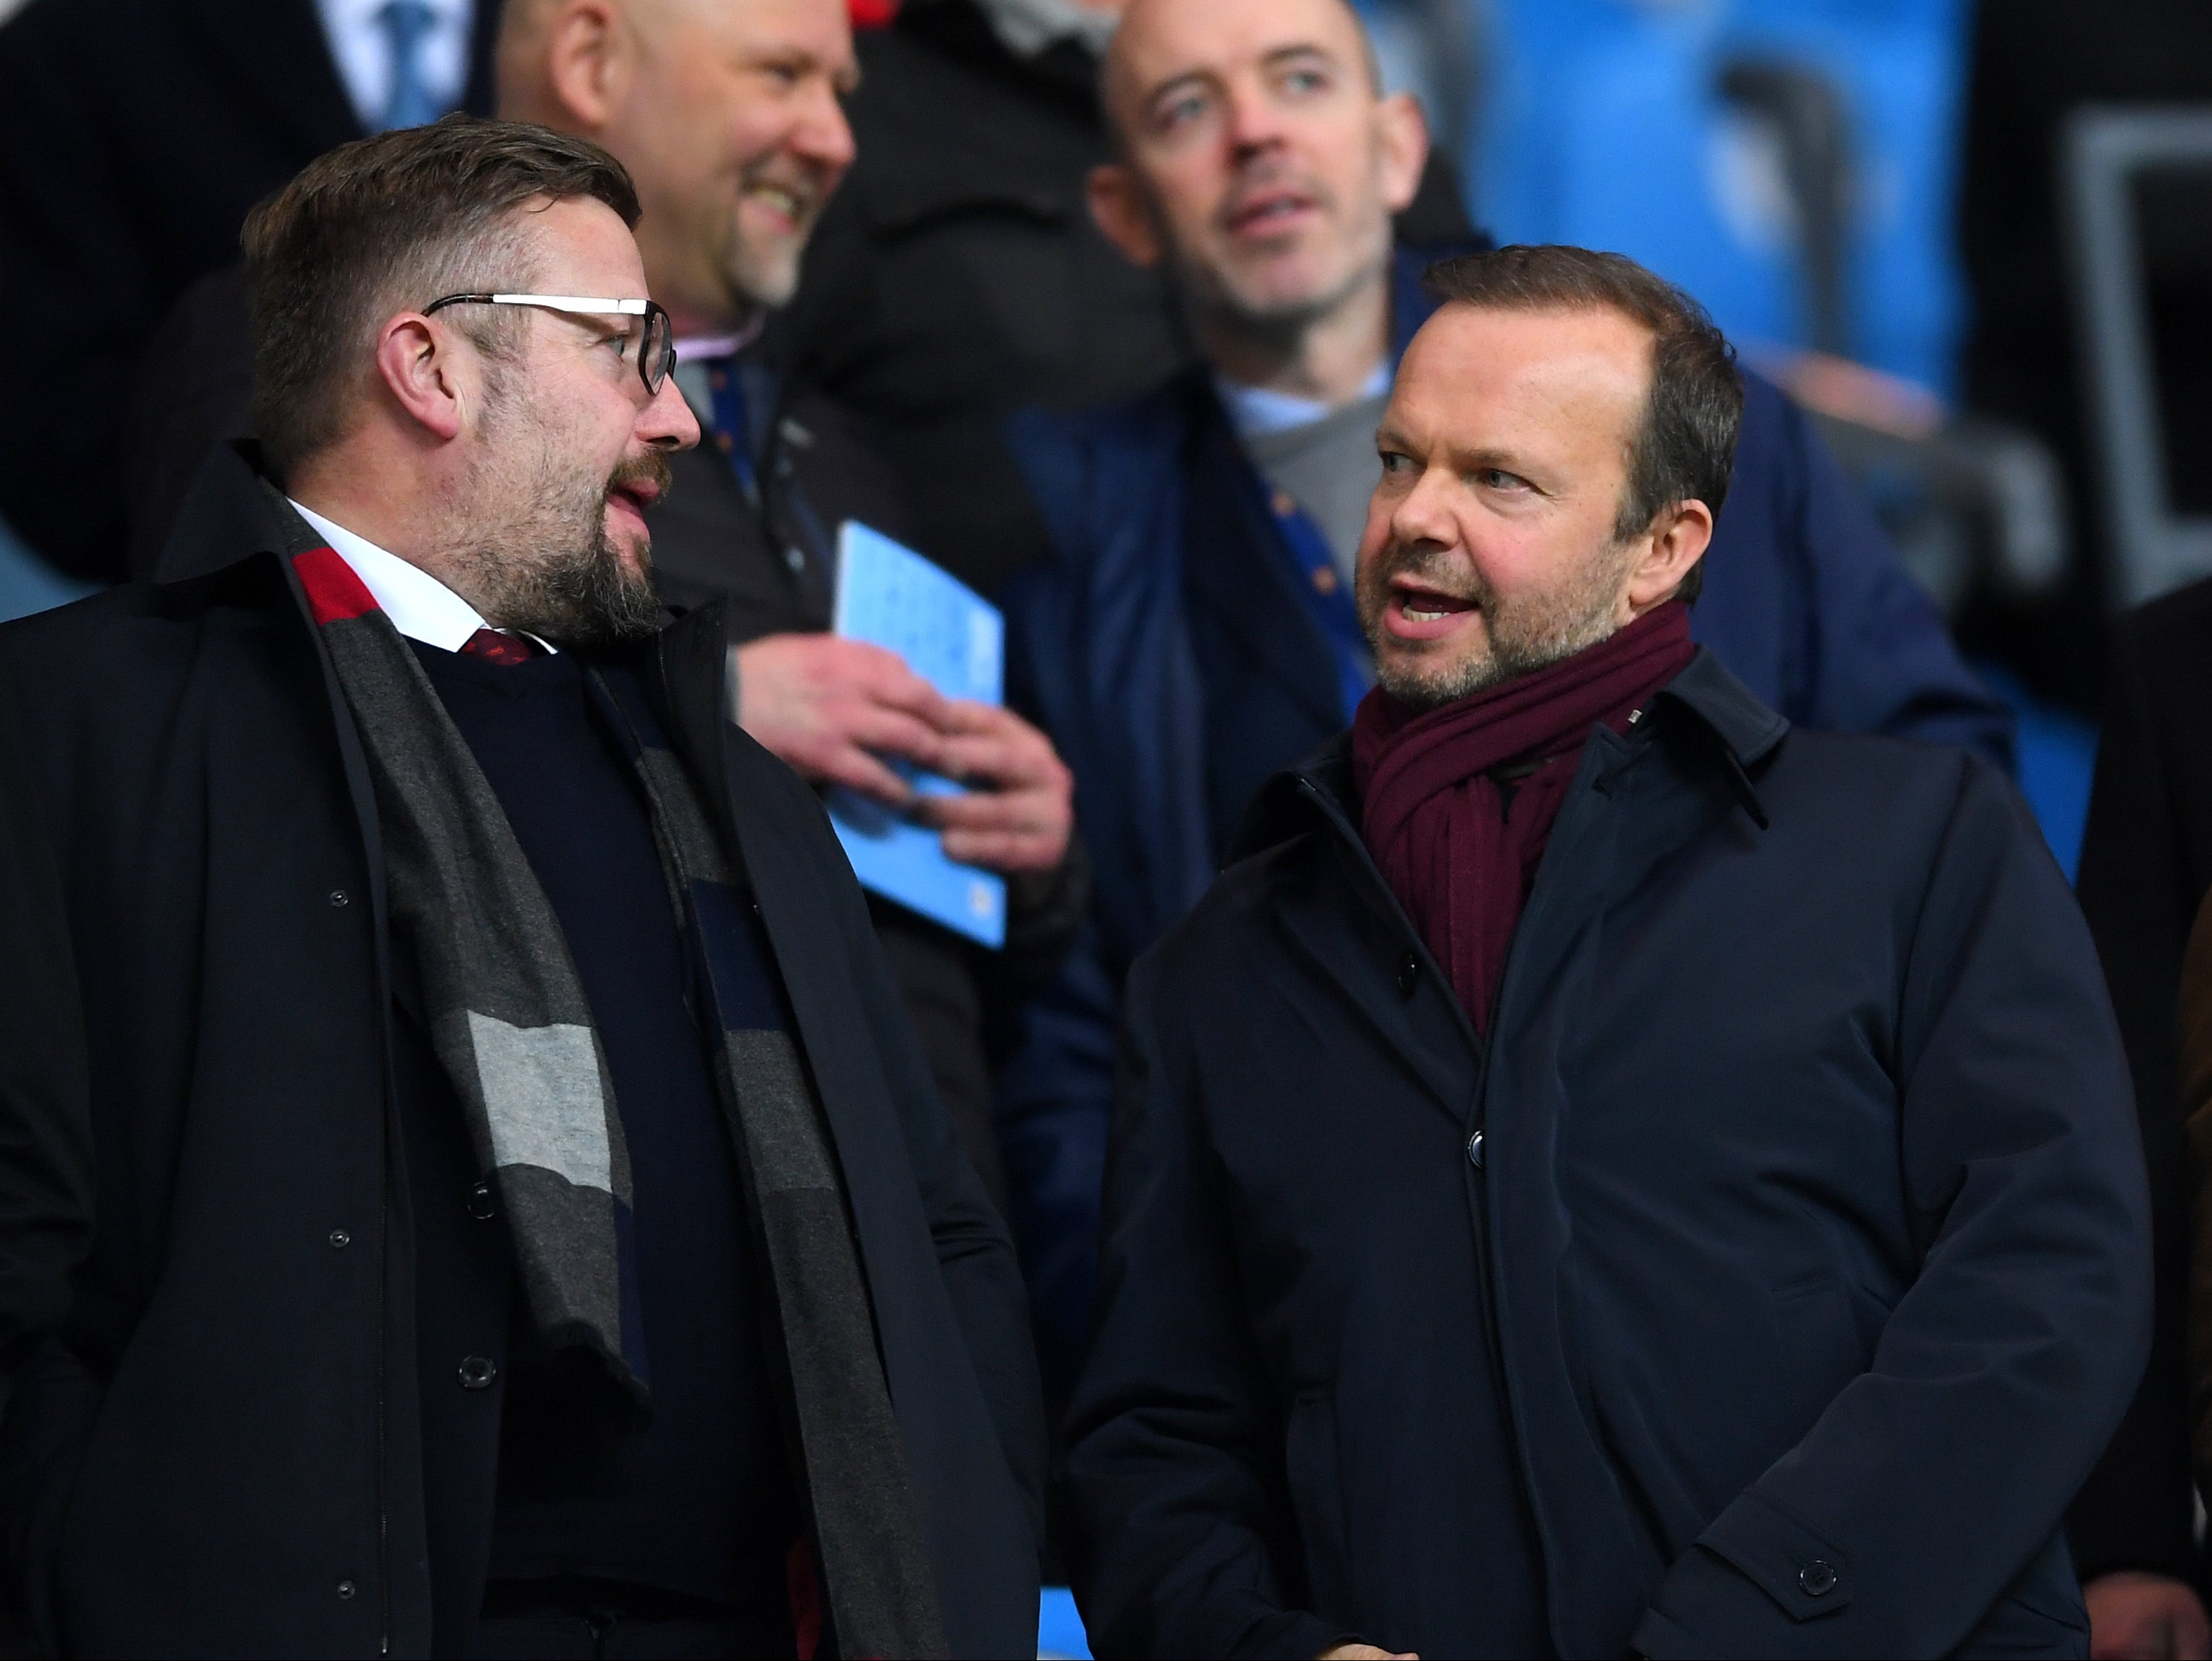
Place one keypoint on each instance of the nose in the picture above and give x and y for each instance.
(823, 136)
(1255, 121)
(1424, 513)
(666, 421)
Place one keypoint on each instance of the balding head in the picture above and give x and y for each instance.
(727, 114)
(1259, 154)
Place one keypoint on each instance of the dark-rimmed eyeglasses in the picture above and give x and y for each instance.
(656, 352)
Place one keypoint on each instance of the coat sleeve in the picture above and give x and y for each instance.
(2003, 1369)
(46, 1166)
(46, 1122)
(1864, 648)
(2133, 1513)
(1184, 1538)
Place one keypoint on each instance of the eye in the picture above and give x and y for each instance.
(1301, 82)
(1179, 112)
(1396, 464)
(1497, 478)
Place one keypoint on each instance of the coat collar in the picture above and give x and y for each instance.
(1742, 732)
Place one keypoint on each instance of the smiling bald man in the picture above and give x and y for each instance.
(1607, 1169)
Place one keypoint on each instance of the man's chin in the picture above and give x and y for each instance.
(1424, 680)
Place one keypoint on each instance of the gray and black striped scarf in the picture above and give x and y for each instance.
(510, 1025)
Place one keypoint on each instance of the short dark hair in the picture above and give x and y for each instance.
(387, 223)
(1684, 448)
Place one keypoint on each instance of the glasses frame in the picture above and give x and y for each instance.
(653, 367)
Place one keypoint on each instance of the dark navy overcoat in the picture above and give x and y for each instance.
(1765, 1285)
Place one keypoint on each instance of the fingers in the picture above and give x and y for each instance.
(882, 677)
(849, 765)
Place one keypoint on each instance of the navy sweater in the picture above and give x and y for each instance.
(699, 1500)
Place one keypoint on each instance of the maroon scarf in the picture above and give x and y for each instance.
(1434, 818)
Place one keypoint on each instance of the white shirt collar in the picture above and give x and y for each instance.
(420, 606)
(1027, 27)
(1256, 411)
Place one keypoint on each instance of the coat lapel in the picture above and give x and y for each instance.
(746, 791)
(1354, 932)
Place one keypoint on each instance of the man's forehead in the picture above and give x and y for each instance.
(1161, 41)
(1479, 378)
(581, 240)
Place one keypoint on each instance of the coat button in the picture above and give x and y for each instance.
(1474, 1150)
(482, 1206)
(339, 897)
(346, 1589)
(1409, 975)
(340, 1238)
(1818, 1580)
(477, 1371)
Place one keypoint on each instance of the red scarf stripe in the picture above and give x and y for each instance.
(334, 591)
(1460, 862)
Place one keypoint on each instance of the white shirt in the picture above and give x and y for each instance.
(362, 52)
(420, 606)
(1256, 410)
(1027, 27)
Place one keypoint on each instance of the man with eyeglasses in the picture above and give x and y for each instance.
(522, 1222)
(729, 119)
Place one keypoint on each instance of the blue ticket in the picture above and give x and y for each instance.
(955, 639)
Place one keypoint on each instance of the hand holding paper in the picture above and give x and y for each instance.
(1023, 814)
(829, 707)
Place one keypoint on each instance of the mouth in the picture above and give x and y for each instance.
(1417, 612)
(793, 207)
(627, 502)
(1269, 212)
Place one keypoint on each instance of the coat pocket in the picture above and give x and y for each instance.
(1309, 1464)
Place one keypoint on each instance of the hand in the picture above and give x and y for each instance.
(2153, 1616)
(823, 703)
(1366, 1652)
(1022, 815)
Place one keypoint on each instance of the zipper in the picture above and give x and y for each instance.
(1494, 1350)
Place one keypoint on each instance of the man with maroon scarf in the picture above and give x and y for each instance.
(1605, 1171)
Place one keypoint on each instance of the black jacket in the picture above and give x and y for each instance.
(134, 137)
(246, 1436)
(2146, 867)
(1768, 1282)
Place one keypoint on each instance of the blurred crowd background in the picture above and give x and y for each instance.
(1975, 241)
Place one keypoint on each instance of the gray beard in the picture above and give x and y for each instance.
(1532, 635)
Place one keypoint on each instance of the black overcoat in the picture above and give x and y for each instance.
(229, 1446)
(1765, 1286)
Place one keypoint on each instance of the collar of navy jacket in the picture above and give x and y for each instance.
(1715, 724)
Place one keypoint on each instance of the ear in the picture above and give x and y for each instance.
(1118, 206)
(588, 63)
(1402, 135)
(1679, 537)
(420, 367)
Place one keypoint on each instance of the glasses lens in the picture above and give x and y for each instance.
(658, 357)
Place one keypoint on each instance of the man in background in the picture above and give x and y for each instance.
(134, 135)
(1194, 630)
